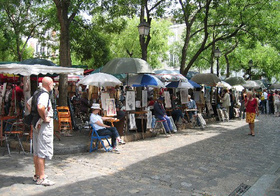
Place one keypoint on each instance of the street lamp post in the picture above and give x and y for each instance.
(217, 54)
(144, 29)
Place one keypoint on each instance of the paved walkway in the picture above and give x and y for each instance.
(192, 162)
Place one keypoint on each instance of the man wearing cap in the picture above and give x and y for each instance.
(160, 114)
(102, 129)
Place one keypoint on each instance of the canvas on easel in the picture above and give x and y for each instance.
(209, 107)
(111, 107)
(104, 96)
(130, 101)
(144, 98)
(167, 99)
(184, 96)
(132, 122)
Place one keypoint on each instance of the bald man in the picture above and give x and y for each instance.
(42, 112)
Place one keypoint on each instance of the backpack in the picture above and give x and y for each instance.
(34, 116)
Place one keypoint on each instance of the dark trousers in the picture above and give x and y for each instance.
(264, 108)
(112, 132)
(176, 114)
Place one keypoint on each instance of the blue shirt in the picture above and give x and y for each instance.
(191, 104)
(93, 119)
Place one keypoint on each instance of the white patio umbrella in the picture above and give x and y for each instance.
(100, 80)
(238, 87)
(224, 84)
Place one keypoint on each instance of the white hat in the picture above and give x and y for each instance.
(95, 106)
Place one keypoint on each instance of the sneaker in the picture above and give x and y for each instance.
(45, 182)
(35, 178)
(120, 141)
(115, 150)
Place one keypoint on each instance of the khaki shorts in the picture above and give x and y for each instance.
(43, 141)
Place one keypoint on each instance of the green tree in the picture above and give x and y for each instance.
(212, 22)
(126, 43)
(22, 19)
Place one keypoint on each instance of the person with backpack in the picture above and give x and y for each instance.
(42, 122)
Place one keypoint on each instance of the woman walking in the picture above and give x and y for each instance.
(252, 109)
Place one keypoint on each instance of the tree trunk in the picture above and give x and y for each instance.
(64, 50)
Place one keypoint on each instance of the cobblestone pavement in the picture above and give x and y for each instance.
(192, 162)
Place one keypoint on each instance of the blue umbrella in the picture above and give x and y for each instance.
(145, 80)
(195, 85)
(179, 85)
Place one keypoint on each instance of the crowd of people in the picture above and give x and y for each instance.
(246, 104)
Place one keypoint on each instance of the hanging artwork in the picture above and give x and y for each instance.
(111, 107)
(149, 119)
(138, 104)
(130, 101)
(132, 122)
(167, 99)
(104, 96)
(144, 98)
(184, 96)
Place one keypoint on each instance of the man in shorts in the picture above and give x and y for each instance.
(42, 132)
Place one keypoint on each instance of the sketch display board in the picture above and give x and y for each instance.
(144, 98)
(149, 119)
(132, 122)
(130, 101)
(209, 107)
(111, 107)
(2, 94)
(167, 99)
(184, 96)
(104, 96)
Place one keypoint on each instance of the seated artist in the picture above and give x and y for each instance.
(192, 105)
(102, 129)
(160, 114)
(176, 110)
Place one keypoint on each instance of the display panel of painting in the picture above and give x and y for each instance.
(184, 96)
(167, 99)
(130, 101)
(104, 96)
(111, 107)
(149, 119)
(132, 122)
(144, 98)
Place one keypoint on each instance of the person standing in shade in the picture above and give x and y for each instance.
(225, 100)
(252, 109)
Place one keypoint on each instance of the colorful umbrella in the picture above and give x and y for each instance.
(170, 75)
(145, 80)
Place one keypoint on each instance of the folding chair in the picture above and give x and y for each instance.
(160, 123)
(17, 129)
(95, 136)
(64, 119)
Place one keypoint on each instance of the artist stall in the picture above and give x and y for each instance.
(26, 71)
